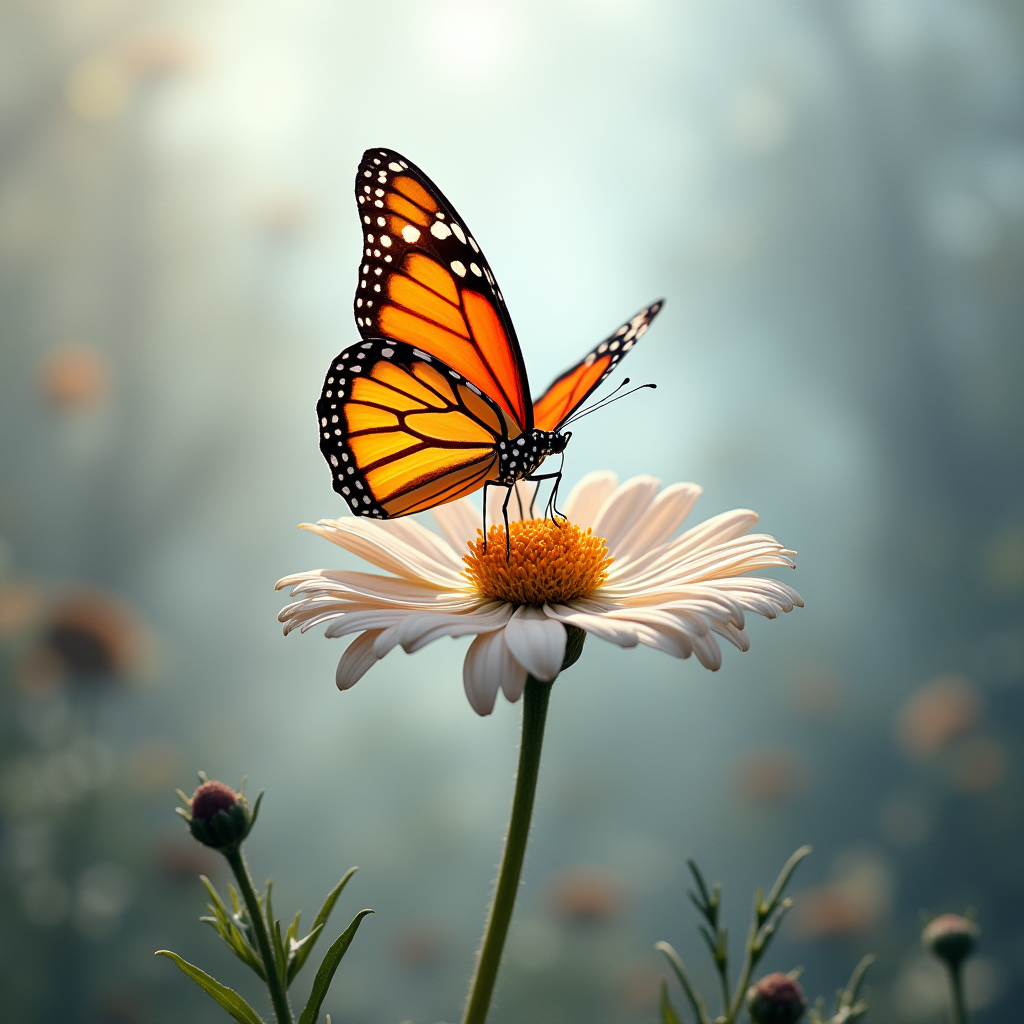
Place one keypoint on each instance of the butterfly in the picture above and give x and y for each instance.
(434, 402)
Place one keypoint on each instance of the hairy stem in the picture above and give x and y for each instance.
(278, 997)
(535, 710)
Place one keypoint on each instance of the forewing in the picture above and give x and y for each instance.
(424, 280)
(571, 389)
(402, 431)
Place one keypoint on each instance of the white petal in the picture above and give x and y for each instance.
(709, 654)
(355, 621)
(459, 521)
(737, 637)
(659, 522)
(356, 660)
(387, 590)
(368, 539)
(537, 642)
(587, 497)
(596, 623)
(489, 664)
(416, 630)
(418, 536)
(478, 679)
(624, 507)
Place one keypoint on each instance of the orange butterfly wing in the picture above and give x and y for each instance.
(570, 390)
(402, 431)
(423, 280)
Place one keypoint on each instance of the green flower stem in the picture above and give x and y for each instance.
(959, 1011)
(535, 710)
(278, 997)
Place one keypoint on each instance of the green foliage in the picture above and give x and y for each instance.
(768, 911)
(848, 1004)
(298, 951)
(252, 932)
(325, 975)
(227, 997)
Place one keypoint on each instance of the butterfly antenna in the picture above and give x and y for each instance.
(613, 397)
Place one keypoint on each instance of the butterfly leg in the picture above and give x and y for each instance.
(504, 515)
(489, 483)
(549, 504)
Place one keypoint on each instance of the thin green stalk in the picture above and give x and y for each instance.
(535, 710)
(278, 996)
(733, 1008)
(959, 1011)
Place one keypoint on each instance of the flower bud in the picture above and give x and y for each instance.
(776, 999)
(950, 937)
(218, 816)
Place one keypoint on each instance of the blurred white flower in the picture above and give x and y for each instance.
(612, 571)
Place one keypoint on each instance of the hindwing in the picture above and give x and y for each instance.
(403, 431)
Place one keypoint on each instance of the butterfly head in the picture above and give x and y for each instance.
(559, 439)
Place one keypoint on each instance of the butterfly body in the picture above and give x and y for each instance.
(434, 403)
(521, 458)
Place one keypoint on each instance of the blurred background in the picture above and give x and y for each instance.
(830, 195)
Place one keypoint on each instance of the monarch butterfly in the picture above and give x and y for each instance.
(434, 402)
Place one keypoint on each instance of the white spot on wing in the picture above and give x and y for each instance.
(475, 269)
(459, 233)
(394, 166)
(439, 230)
(459, 268)
(410, 233)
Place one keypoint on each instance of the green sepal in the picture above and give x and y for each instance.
(225, 830)
(298, 951)
(255, 808)
(668, 1013)
(227, 997)
(575, 638)
(325, 974)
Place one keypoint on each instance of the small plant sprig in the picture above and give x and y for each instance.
(220, 818)
(849, 1005)
(774, 999)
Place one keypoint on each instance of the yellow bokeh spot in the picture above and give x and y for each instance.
(98, 89)
(547, 562)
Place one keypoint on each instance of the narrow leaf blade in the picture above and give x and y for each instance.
(325, 975)
(227, 997)
(298, 955)
(668, 1013)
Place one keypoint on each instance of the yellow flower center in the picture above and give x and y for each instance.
(547, 562)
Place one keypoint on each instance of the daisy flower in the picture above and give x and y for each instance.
(613, 570)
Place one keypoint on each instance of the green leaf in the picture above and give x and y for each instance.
(301, 949)
(229, 931)
(325, 975)
(780, 884)
(228, 998)
(700, 1008)
(668, 1014)
(293, 930)
(274, 927)
(299, 952)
